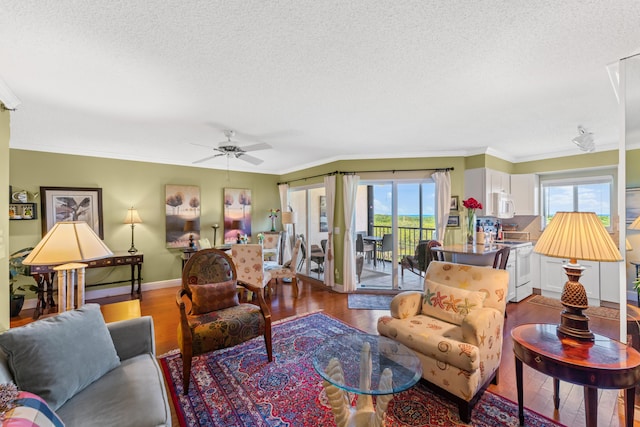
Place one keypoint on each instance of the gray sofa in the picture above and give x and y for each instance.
(130, 394)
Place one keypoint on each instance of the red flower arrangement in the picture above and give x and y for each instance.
(471, 204)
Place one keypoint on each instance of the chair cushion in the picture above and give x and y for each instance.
(433, 337)
(57, 357)
(449, 303)
(31, 411)
(213, 296)
(225, 328)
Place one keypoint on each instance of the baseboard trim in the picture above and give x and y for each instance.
(116, 291)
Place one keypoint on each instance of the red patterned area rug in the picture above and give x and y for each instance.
(237, 387)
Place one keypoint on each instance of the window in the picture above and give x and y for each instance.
(578, 194)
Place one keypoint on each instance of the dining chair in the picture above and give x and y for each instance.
(211, 316)
(501, 258)
(249, 262)
(288, 270)
(363, 248)
(316, 254)
(386, 246)
(435, 255)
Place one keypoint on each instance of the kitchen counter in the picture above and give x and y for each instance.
(470, 254)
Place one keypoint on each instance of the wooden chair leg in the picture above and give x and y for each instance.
(186, 372)
(267, 340)
(294, 283)
(464, 411)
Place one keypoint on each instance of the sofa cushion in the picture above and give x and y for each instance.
(31, 411)
(57, 357)
(131, 395)
(450, 303)
(432, 337)
(213, 296)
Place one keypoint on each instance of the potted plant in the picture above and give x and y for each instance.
(16, 268)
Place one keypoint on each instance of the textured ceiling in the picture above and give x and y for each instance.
(317, 80)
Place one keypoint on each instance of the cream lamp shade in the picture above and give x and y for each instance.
(65, 245)
(289, 218)
(132, 217)
(68, 241)
(635, 225)
(576, 235)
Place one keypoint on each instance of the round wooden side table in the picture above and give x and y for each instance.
(603, 363)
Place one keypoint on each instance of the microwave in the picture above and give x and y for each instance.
(503, 205)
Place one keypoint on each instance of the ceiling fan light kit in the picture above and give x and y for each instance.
(230, 149)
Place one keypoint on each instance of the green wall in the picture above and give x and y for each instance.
(4, 219)
(142, 185)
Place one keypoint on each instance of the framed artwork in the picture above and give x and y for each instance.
(182, 213)
(324, 224)
(72, 204)
(453, 221)
(237, 214)
(632, 204)
(454, 203)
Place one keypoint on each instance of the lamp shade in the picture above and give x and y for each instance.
(635, 225)
(132, 217)
(289, 218)
(68, 241)
(577, 236)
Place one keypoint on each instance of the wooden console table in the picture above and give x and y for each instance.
(604, 363)
(43, 275)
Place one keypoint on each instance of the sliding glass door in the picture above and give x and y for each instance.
(392, 217)
(309, 203)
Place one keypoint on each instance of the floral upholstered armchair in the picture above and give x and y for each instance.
(455, 327)
(211, 317)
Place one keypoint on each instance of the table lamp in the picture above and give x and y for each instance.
(237, 224)
(67, 245)
(635, 225)
(576, 235)
(290, 218)
(132, 218)
(190, 227)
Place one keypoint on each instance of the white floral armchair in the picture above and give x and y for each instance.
(455, 327)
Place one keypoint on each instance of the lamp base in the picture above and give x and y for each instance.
(574, 324)
(132, 250)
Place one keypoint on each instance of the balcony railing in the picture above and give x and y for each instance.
(408, 238)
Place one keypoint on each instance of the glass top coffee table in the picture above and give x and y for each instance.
(366, 365)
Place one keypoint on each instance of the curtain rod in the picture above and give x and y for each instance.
(371, 171)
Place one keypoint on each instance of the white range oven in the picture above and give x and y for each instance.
(522, 253)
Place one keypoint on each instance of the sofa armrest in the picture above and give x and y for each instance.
(133, 337)
(483, 328)
(406, 304)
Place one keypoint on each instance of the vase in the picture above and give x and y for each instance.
(471, 229)
(273, 223)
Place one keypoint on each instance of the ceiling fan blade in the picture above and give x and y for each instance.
(208, 158)
(256, 147)
(200, 145)
(247, 158)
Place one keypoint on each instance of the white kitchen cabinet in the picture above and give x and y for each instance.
(524, 193)
(553, 278)
(609, 282)
(481, 183)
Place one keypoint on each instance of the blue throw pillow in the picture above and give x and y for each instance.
(57, 357)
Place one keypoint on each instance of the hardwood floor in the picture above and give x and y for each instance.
(538, 392)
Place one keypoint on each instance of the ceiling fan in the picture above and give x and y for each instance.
(231, 149)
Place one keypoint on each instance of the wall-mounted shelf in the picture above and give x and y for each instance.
(22, 211)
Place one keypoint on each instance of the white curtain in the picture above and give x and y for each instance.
(329, 262)
(288, 228)
(443, 202)
(350, 190)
